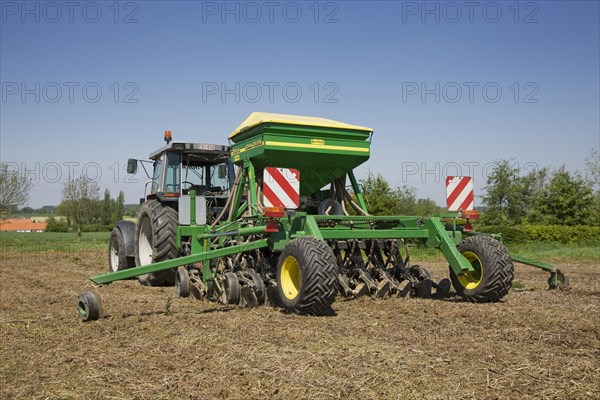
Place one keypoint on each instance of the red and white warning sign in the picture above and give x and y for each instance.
(459, 193)
(281, 187)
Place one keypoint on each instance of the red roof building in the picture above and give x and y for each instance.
(21, 225)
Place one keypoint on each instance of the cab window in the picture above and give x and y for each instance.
(216, 180)
(156, 176)
(172, 173)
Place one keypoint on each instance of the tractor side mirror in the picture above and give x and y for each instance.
(222, 171)
(132, 166)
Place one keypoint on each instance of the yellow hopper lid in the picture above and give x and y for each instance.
(258, 118)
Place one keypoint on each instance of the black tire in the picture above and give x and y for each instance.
(334, 206)
(443, 289)
(259, 285)
(419, 272)
(88, 306)
(562, 281)
(182, 282)
(494, 270)
(231, 289)
(423, 289)
(307, 276)
(273, 297)
(158, 224)
(117, 255)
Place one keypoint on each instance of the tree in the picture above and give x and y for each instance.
(531, 189)
(509, 196)
(80, 197)
(14, 189)
(106, 209)
(56, 225)
(567, 200)
(63, 210)
(406, 200)
(47, 210)
(498, 192)
(592, 170)
(426, 207)
(382, 199)
(119, 207)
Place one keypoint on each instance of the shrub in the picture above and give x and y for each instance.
(544, 233)
(98, 227)
(56, 225)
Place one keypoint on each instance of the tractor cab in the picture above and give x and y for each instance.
(179, 168)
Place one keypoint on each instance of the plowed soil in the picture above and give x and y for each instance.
(536, 343)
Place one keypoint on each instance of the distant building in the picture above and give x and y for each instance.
(21, 225)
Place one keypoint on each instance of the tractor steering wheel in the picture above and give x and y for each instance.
(188, 182)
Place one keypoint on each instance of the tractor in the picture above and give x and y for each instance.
(279, 217)
(177, 169)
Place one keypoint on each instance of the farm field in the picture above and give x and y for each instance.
(535, 343)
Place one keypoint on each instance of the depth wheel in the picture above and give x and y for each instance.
(259, 285)
(562, 281)
(182, 282)
(307, 276)
(231, 289)
(88, 306)
(197, 291)
(493, 273)
(419, 272)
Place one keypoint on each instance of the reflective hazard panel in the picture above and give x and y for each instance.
(281, 187)
(459, 193)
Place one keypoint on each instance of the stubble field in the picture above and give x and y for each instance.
(535, 343)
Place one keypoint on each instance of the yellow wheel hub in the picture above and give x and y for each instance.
(471, 279)
(290, 277)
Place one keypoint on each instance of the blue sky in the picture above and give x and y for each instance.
(448, 89)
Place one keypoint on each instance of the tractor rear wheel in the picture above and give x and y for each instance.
(307, 276)
(493, 273)
(156, 240)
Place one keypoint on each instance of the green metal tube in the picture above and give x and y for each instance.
(252, 195)
(254, 230)
(357, 192)
(311, 227)
(533, 263)
(238, 194)
(103, 279)
(438, 237)
(369, 218)
(399, 233)
(192, 207)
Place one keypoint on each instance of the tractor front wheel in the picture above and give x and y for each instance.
(307, 276)
(156, 240)
(117, 257)
(493, 270)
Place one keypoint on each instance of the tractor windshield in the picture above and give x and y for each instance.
(193, 175)
(203, 176)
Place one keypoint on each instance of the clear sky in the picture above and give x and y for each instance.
(447, 86)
